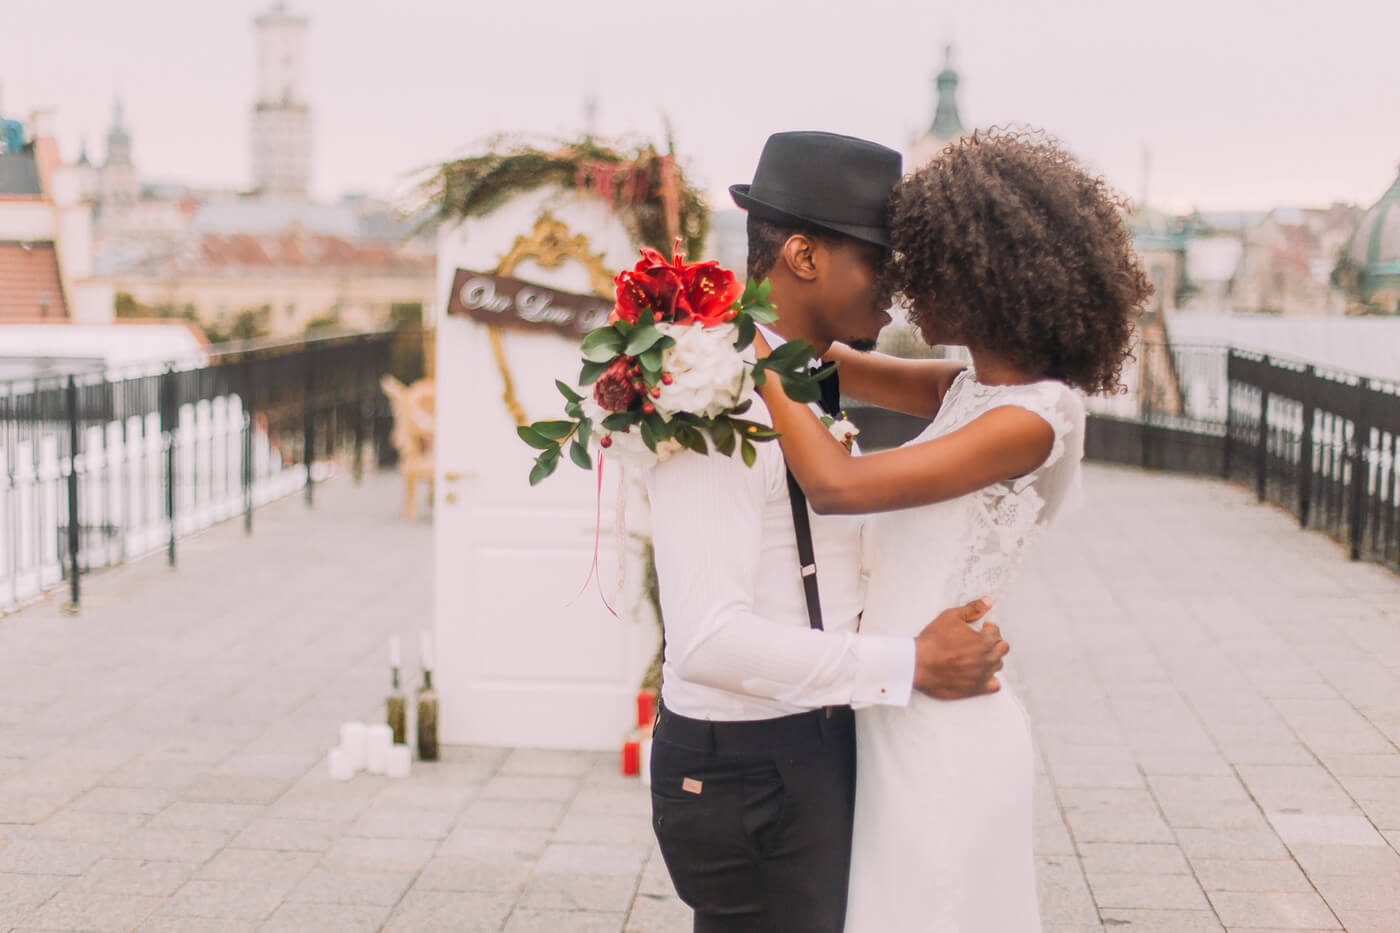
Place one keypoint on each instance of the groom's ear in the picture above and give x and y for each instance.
(799, 254)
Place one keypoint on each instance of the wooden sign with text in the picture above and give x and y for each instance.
(504, 301)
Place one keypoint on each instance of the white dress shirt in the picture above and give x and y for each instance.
(738, 642)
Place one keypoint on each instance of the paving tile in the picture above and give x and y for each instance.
(325, 918)
(325, 886)
(1288, 910)
(137, 876)
(48, 856)
(1162, 921)
(448, 912)
(499, 873)
(1250, 875)
(529, 920)
(1149, 892)
(79, 908)
(1146, 858)
(592, 859)
(281, 868)
(559, 891)
(400, 823)
(288, 835)
(229, 900)
(361, 854)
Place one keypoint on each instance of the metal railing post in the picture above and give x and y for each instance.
(73, 528)
(1305, 452)
(1360, 440)
(309, 421)
(1262, 453)
(169, 427)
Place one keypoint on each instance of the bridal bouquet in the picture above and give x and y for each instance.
(673, 369)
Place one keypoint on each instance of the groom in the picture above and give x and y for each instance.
(753, 759)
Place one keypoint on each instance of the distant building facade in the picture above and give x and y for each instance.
(1368, 271)
(281, 127)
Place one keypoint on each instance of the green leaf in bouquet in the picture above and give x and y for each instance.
(651, 360)
(591, 372)
(585, 428)
(746, 331)
(648, 437)
(579, 454)
(800, 388)
(641, 340)
(750, 291)
(763, 313)
(742, 407)
(620, 420)
(601, 345)
(535, 439)
(752, 430)
(722, 433)
(765, 288)
(692, 439)
(569, 394)
(555, 430)
(748, 452)
(544, 465)
(825, 372)
(574, 410)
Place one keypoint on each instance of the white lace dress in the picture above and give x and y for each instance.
(943, 788)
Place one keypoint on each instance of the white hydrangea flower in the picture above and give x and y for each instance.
(707, 373)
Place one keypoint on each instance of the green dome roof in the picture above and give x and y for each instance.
(1374, 248)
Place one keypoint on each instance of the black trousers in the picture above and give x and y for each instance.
(754, 819)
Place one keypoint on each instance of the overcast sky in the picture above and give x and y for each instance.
(1241, 104)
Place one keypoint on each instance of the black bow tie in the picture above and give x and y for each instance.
(831, 391)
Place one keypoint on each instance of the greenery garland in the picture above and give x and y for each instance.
(633, 180)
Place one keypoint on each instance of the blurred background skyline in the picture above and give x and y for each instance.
(1200, 105)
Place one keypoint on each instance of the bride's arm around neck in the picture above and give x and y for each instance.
(1004, 443)
(915, 387)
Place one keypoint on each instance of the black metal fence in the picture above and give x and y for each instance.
(1319, 442)
(100, 468)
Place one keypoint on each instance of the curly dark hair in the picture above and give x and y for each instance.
(1004, 241)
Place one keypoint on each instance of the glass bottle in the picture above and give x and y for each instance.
(427, 719)
(396, 711)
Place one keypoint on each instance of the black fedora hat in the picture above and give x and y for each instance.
(838, 183)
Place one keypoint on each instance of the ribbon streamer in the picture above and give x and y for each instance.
(597, 542)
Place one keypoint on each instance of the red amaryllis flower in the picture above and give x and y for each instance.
(696, 293)
(614, 390)
(653, 283)
(710, 292)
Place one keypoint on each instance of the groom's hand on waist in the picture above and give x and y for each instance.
(953, 660)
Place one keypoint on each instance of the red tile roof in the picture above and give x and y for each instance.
(30, 288)
(294, 249)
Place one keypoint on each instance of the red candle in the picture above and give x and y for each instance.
(631, 757)
(646, 708)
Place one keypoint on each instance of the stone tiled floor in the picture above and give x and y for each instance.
(1216, 698)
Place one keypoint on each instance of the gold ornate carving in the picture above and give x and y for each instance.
(549, 244)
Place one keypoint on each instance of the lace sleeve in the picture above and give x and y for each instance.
(1057, 479)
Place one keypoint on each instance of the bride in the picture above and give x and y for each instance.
(1004, 245)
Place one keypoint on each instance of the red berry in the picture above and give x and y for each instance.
(656, 392)
(667, 379)
(648, 408)
(638, 384)
(605, 441)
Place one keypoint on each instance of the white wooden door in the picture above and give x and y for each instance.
(522, 658)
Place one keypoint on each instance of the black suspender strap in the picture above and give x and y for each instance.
(801, 522)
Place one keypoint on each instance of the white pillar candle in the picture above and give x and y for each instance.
(379, 738)
(646, 762)
(352, 740)
(340, 765)
(400, 758)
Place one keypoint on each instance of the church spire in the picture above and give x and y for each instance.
(947, 125)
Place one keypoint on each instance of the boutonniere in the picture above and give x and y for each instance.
(841, 429)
